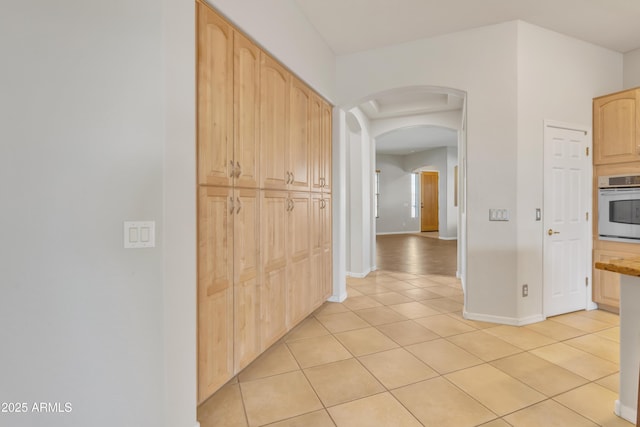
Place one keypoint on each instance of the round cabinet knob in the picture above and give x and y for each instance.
(551, 232)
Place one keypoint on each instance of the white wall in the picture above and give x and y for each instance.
(82, 110)
(502, 68)
(360, 217)
(481, 62)
(179, 216)
(557, 78)
(395, 197)
(631, 69)
(281, 28)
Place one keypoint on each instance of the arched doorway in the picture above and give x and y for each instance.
(385, 113)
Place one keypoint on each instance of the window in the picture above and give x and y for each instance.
(376, 192)
(414, 195)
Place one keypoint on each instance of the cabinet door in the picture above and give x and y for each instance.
(247, 277)
(616, 125)
(273, 295)
(298, 262)
(215, 289)
(327, 248)
(606, 284)
(316, 161)
(298, 148)
(215, 98)
(246, 79)
(327, 137)
(317, 252)
(274, 119)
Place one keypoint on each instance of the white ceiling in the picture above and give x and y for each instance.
(354, 25)
(415, 139)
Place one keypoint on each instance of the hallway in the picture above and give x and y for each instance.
(416, 253)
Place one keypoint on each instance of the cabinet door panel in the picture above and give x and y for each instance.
(327, 248)
(247, 112)
(274, 134)
(315, 143)
(247, 277)
(317, 253)
(215, 98)
(298, 148)
(215, 289)
(298, 238)
(606, 284)
(616, 126)
(273, 246)
(327, 137)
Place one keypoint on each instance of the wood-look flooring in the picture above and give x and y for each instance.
(416, 254)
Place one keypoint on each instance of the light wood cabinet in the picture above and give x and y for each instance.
(228, 284)
(321, 254)
(247, 277)
(616, 125)
(298, 260)
(274, 133)
(258, 129)
(298, 144)
(215, 289)
(607, 292)
(275, 206)
(246, 89)
(320, 144)
(214, 98)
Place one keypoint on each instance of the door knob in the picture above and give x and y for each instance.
(551, 232)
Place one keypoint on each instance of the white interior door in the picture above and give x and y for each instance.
(567, 193)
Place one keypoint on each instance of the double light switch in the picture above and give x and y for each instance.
(139, 234)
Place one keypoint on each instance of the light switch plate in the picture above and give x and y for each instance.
(498, 214)
(139, 234)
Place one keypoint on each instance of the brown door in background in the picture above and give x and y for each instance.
(429, 201)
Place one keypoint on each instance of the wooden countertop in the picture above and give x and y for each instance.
(628, 266)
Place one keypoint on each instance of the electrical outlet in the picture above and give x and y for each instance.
(525, 290)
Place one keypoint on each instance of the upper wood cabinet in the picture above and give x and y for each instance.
(214, 98)
(320, 144)
(326, 138)
(246, 137)
(616, 127)
(228, 104)
(298, 147)
(274, 131)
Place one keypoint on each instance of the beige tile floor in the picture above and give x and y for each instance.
(399, 353)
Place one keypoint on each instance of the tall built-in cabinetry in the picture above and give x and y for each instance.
(264, 200)
(616, 151)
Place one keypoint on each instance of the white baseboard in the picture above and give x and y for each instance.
(592, 306)
(197, 424)
(397, 232)
(511, 321)
(625, 412)
(338, 298)
(358, 275)
(447, 238)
